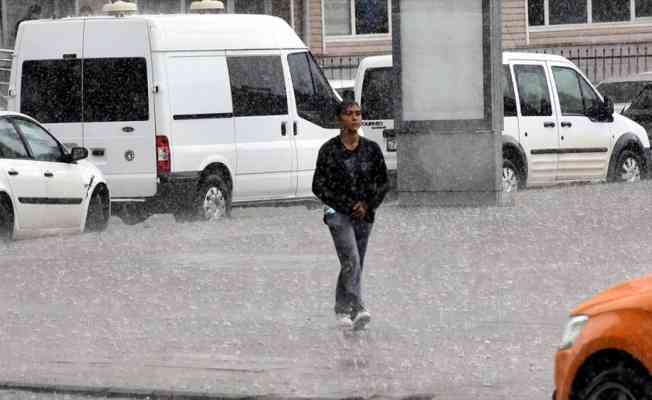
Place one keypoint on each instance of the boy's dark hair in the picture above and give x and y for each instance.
(340, 108)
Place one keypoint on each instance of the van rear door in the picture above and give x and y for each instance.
(119, 127)
(46, 77)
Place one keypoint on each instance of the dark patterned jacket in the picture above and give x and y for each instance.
(339, 189)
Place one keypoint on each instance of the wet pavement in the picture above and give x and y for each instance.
(466, 303)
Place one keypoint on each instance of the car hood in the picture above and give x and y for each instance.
(636, 293)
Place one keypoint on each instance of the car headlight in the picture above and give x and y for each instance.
(572, 331)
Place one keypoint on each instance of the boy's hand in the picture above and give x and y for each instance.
(359, 210)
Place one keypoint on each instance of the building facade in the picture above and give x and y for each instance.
(610, 37)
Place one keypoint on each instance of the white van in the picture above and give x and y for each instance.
(182, 113)
(557, 127)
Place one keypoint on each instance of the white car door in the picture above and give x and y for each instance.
(25, 178)
(584, 141)
(64, 186)
(265, 156)
(118, 108)
(537, 122)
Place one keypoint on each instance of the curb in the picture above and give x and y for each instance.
(157, 394)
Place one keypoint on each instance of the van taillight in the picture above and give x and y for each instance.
(162, 154)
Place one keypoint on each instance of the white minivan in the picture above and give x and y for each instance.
(557, 127)
(183, 113)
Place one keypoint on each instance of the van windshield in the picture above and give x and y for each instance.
(377, 94)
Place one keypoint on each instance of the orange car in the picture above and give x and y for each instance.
(606, 350)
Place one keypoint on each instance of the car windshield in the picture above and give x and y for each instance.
(622, 92)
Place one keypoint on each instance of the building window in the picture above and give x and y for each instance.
(536, 13)
(562, 12)
(567, 12)
(643, 8)
(356, 17)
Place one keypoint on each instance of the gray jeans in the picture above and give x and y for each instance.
(350, 237)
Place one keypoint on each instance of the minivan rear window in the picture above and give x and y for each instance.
(115, 89)
(377, 97)
(51, 90)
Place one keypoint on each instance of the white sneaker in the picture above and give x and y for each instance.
(343, 320)
(361, 320)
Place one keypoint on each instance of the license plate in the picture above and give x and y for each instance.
(391, 144)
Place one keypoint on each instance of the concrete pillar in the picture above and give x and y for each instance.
(449, 109)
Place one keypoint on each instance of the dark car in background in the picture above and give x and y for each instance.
(640, 109)
(622, 90)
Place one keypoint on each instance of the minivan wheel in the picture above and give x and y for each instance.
(212, 202)
(98, 215)
(6, 223)
(511, 177)
(619, 382)
(629, 167)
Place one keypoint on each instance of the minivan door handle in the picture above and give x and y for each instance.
(48, 174)
(548, 124)
(284, 128)
(12, 172)
(566, 124)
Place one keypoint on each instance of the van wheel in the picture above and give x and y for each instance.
(98, 215)
(6, 222)
(628, 168)
(511, 177)
(212, 202)
(619, 382)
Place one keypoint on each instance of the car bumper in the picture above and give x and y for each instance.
(174, 191)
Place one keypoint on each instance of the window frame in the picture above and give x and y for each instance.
(12, 120)
(633, 19)
(354, 35)
(251, 55)
(519, 92)
(579, 89)
(28, 150)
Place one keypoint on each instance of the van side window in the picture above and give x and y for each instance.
(314, 96)
(509, 99)
(11, 146)
(51, 90)
(589, 97)
(533, 91)
(568, 88)
(115, 89)
(377, 98)
(257, 86)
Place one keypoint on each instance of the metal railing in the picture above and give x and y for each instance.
(339, 68)
(6, 57)
(603, 62)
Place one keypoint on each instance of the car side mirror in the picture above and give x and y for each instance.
(609, 105)
(78, 153)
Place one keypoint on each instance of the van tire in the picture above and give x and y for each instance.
(99, 211)
(212, 201)
(6, 221)
(512, 179)
(628, 167)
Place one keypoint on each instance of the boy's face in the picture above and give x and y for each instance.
(351, 118)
